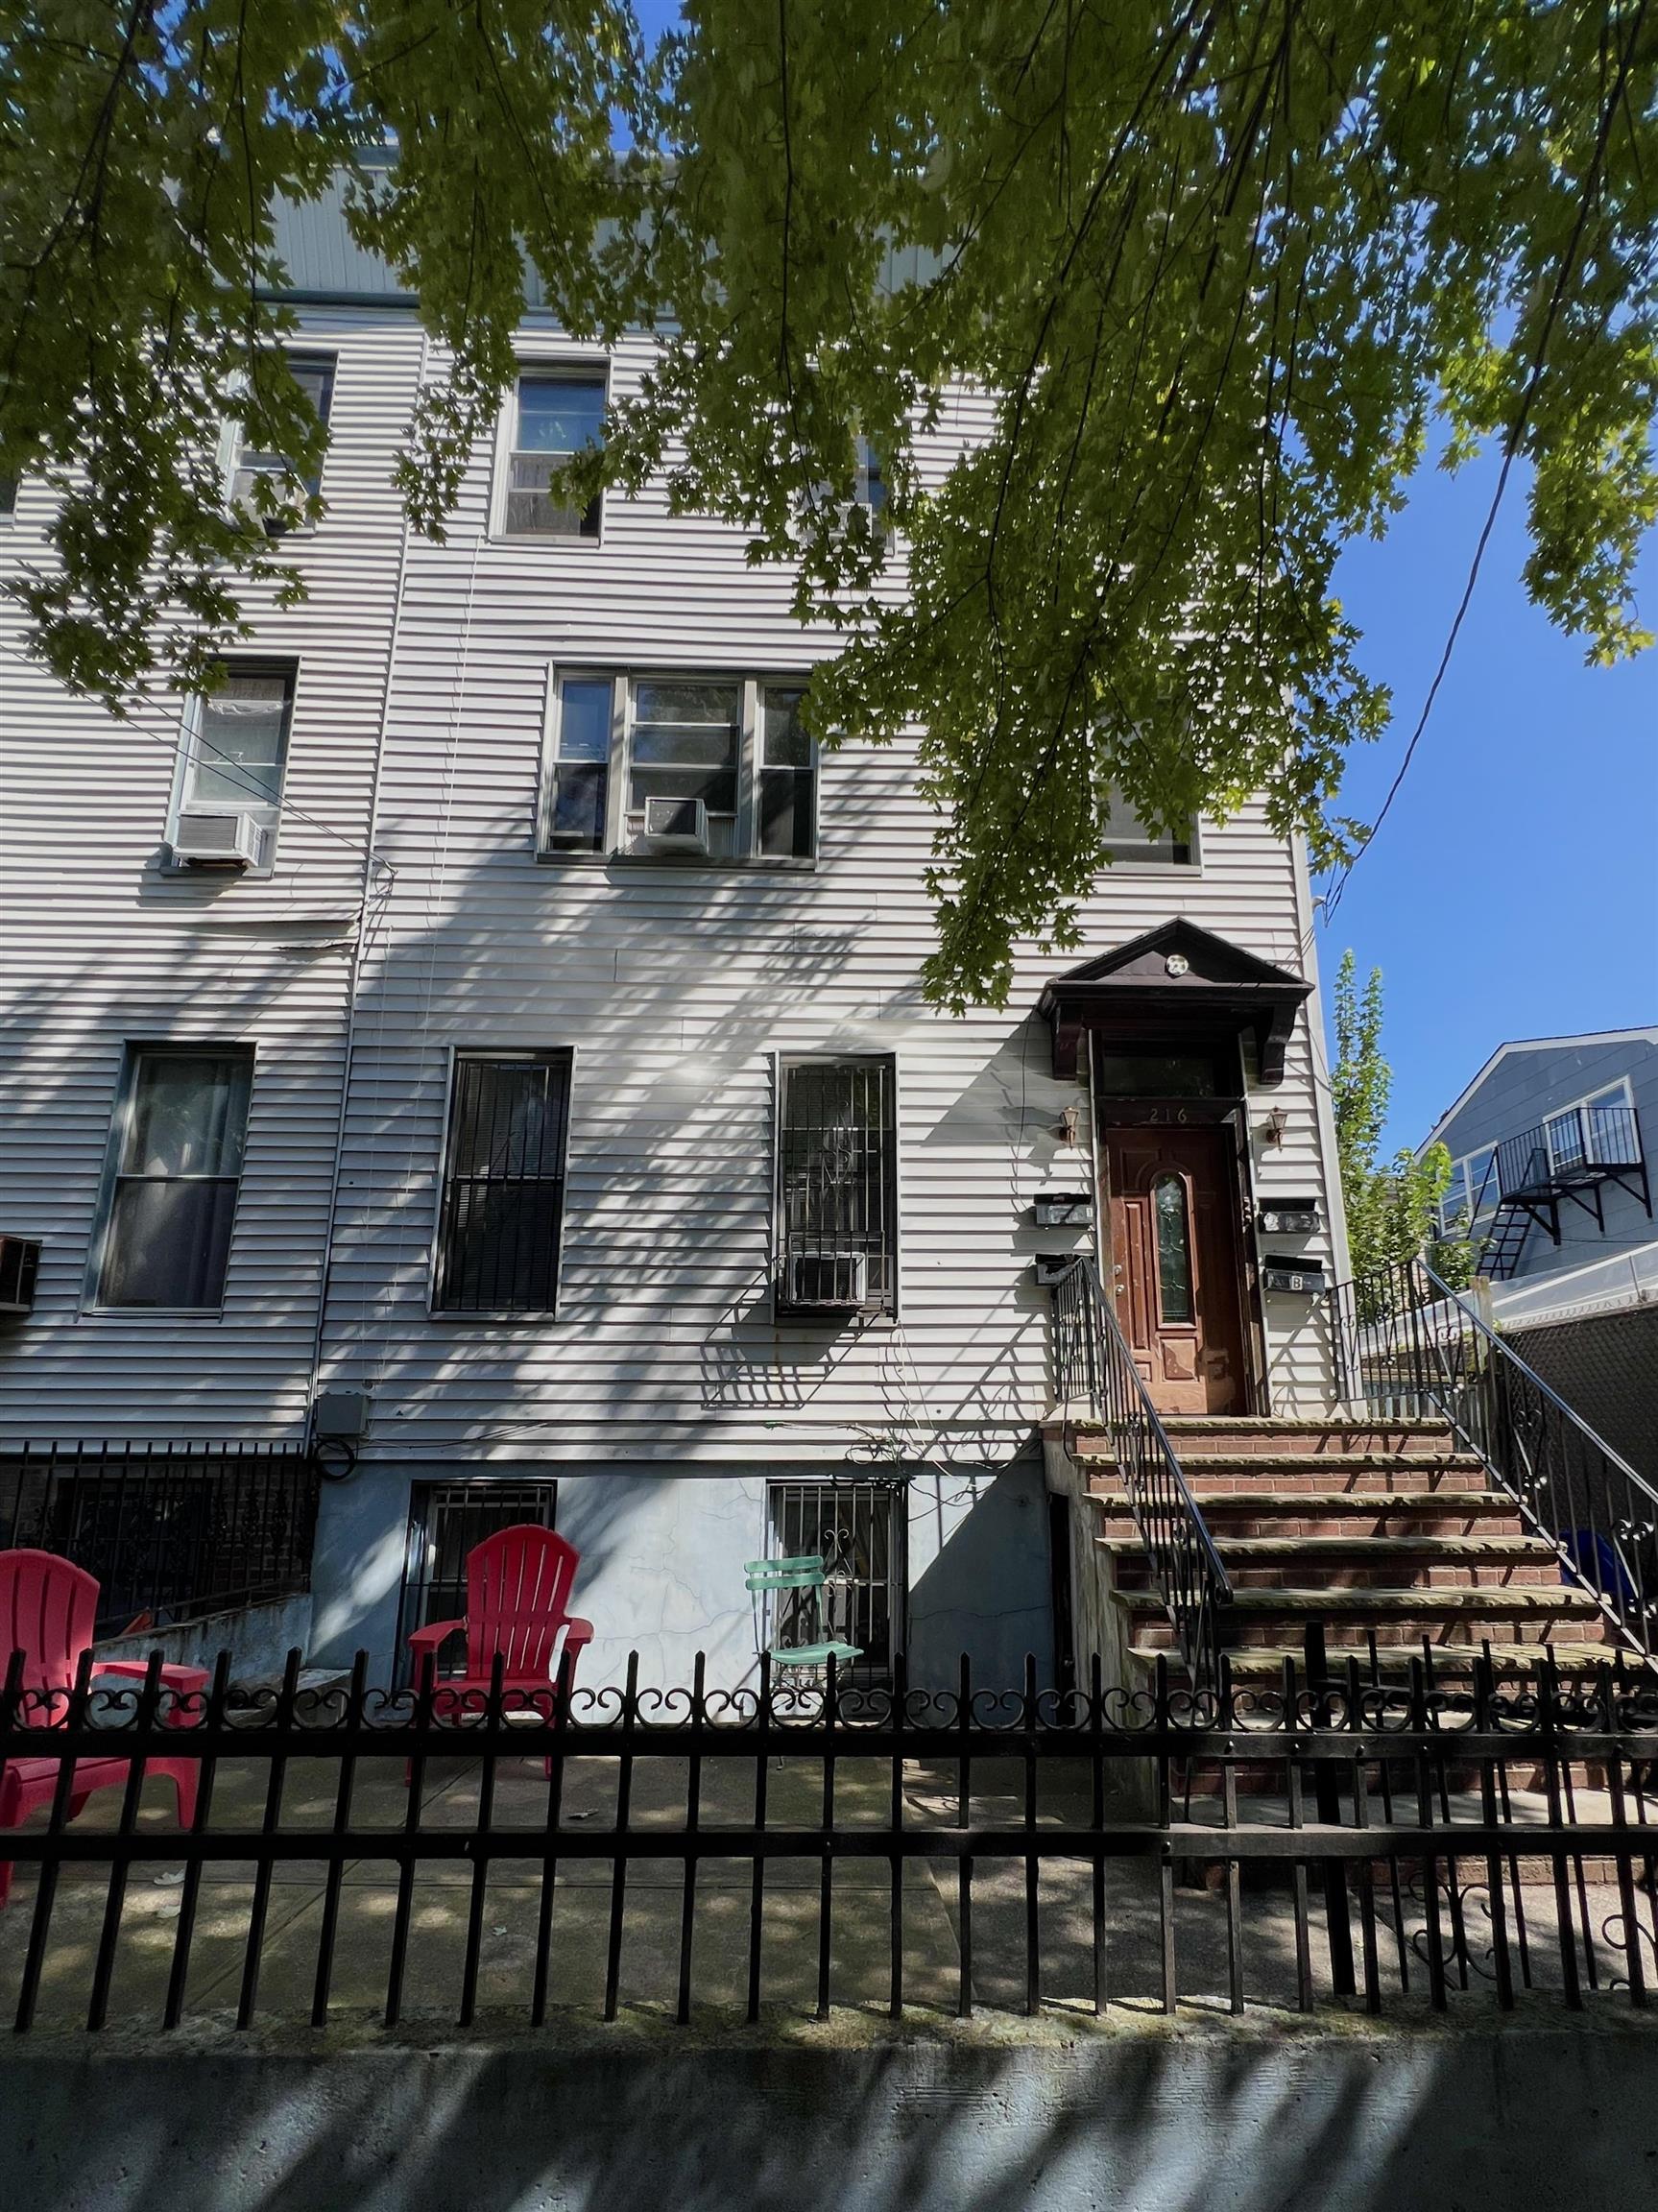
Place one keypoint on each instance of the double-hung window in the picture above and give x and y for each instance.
(1129, 840)
(680, 767)
(555, 415)
(236, 751)
(313, 375)
(176, 1167)
(836, 1234)
(502, 1216)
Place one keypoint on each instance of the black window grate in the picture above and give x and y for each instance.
(857, 1529)
(447, 1520)
(837, 1176)
(503, 1201)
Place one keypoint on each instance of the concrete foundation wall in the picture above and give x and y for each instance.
(1552, 2116)
(257, 1637)
(662, 1554)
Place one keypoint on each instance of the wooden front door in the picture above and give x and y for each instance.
(1174, 1265)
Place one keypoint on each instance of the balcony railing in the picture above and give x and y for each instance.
(171, 1531)
(1094, 1372)
(1409, 1346)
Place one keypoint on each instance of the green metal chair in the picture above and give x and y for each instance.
(768, 1578)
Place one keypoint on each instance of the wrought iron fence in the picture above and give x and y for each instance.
(1095, 1371)
(1409, 1346)
(171, 1531)
(989, 1847)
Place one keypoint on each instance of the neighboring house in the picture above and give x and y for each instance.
(492, 1015)
(1552, 1178)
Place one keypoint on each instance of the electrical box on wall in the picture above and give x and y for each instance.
(1300, 1277)
(1064, 1210)
(1289, 1217)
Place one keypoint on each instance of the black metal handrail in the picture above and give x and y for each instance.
(1095, 1370)
(1407, 1345)
(171, 1531)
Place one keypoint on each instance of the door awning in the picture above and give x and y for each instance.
(1176, 986)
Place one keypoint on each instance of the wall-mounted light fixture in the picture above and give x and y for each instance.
(1067, 1125)
(1275, 1128)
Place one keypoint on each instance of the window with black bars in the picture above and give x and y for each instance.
(503, 1200)
(837, 1187)
(857, 1528)
(448, 1522)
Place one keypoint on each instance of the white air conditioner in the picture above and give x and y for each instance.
(829, 1279)
(676, 825)
(205, 839)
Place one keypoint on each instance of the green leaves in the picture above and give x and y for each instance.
(1146, 309)
(1391, 1209)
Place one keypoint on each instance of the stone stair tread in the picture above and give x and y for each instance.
(1307, 1502)
(1318, 1462)
(1247, 1549)
(1552, 1600)
(1394, 1660)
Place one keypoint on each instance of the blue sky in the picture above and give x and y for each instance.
(1513, 889)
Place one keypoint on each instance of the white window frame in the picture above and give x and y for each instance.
(510, 1316)
(572, 368)
(133, 1054)
(190, 737)
(1146, 863)
(234, 439)
(615, 849)
(783, 1317)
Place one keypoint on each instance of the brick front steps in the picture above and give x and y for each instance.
(1380, 1530)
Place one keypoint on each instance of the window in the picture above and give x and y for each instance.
(1612, 1137)
(577, 807)
(679, 768)
(787, 776)
(8, 498)
(236, 750)
(685, 741)
(1128, 839)
(447, 1521)
(1173, 1249)
(176, 1166)
(502, 1209)
(837, 1187)
(871, 483)
(555, 417)
(857, 1531)
(313, 375)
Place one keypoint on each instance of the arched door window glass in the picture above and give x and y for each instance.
(1173, 1248)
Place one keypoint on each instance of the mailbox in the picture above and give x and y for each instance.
(1064, 1210)
(1298, 1278)
(1289, 1217)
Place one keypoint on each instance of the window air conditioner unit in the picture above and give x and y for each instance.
(208, 840)
(676, 825)
(837, 1279)
(19, 1267)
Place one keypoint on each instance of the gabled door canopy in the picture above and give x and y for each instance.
(1177, 985)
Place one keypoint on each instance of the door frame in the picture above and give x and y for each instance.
(1108, 1113)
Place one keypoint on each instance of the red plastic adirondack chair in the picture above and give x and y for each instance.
(519, 1584)
(47, 1608)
